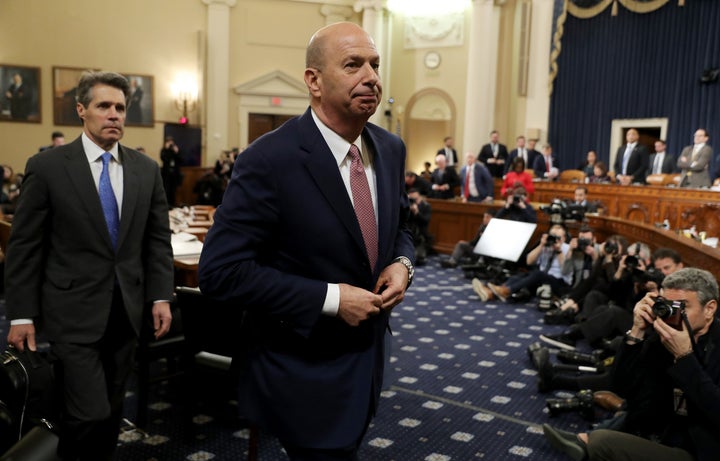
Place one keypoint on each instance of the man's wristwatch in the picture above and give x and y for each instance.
(405, 261)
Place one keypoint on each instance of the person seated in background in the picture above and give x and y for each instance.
(661, 162)
(600, 174)
(57, 138)
(598, 320)
(413, 181)
(418, 220)
(427, 172)
(588, 166)
(517, 174)
(546, 259)
(476, 183)
(668, 370)
(444, 179)
(517, 206)
(464, 249)
(546, 165)
(581, 256)
(581, 200)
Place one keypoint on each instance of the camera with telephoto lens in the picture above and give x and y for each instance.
(583, 243)
(516, 199)
(594, 359)
(582, 402)
(670, 311)
(632, 263)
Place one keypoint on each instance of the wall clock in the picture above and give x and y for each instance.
(432, 60)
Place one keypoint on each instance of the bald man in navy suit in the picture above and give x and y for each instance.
(289, 248)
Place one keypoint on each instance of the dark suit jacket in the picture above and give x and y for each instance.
(637, 165)
(449, 177)
(540, 167)
(285, 229)
(668, 164)
(454, 155)
(486, 153)
(60, 263)
(483, 181)
(531, 156)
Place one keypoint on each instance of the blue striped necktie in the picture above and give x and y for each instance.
(108, 201)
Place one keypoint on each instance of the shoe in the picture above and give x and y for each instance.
(541, 358)
(609, 401)
(448, 263)
(558, 316)
(567, 442)
(561, 341)
(501, 291)
(481, 290)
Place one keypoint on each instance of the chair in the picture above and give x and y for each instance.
(570, 176)
(705, 218)
(211, 331)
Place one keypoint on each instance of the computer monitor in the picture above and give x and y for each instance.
(504, 239)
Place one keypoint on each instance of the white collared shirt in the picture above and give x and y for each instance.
(94, 154)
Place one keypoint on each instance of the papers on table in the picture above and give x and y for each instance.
(184, 244)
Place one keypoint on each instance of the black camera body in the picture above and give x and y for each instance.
(670, 311)
(516, 199)
(611, 247)
(632, 263)
(582, 402)
(583, 243)
(551, 240)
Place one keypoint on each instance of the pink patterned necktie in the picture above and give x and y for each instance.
(362, 202)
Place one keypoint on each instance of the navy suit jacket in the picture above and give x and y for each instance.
(486, 153)
(540, 167)
(285, 229)
(60, 255)
(483, 181)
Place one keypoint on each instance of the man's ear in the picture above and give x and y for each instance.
(711, 309)
(80, 110)
(312, 80)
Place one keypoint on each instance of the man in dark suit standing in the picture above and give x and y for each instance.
(545, 165)
(661, 162)
(449, 151)
(694, 161)
(311, 240)
(521, 150)
(631, 160)
(494, 155)
(89, 250)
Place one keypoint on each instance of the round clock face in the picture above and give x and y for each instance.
(432, 60)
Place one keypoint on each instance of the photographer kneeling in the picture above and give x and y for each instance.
(668, 368)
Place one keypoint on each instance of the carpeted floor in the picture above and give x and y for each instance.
(460, 386)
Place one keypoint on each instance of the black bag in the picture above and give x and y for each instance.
(26, 394)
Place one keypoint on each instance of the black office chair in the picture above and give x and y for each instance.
(211, 331)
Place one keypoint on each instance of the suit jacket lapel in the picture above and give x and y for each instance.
(322, 167)
(78, 169)
(385, 188)
(131, 187)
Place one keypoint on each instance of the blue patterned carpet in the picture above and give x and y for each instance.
(460, 387)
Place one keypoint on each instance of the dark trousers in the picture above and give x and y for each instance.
(92, 379)
(606, 323)
(533, 279)
(606, 445)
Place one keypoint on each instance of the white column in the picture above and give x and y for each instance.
(217, 76)
(335, 13)
(537, 114)
(373, 19)
(481, 74)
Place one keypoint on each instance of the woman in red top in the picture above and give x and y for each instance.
(517, 174)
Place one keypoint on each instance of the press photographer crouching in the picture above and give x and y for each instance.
(517, 206)
(669, 375)
(418, 221)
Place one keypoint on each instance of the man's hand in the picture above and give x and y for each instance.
(357, 304)
(677, 342)
(19, 333)
(643, 315)
(162, 318)
(391, 285)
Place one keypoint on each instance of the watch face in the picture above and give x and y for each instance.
(432, 60)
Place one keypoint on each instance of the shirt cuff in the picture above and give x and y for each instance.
(21, 322)
(332, 300)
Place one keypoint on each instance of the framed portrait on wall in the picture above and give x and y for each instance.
(20, 97)
(65, 80)
(140, 104)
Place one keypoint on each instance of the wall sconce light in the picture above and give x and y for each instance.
(185, 93)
